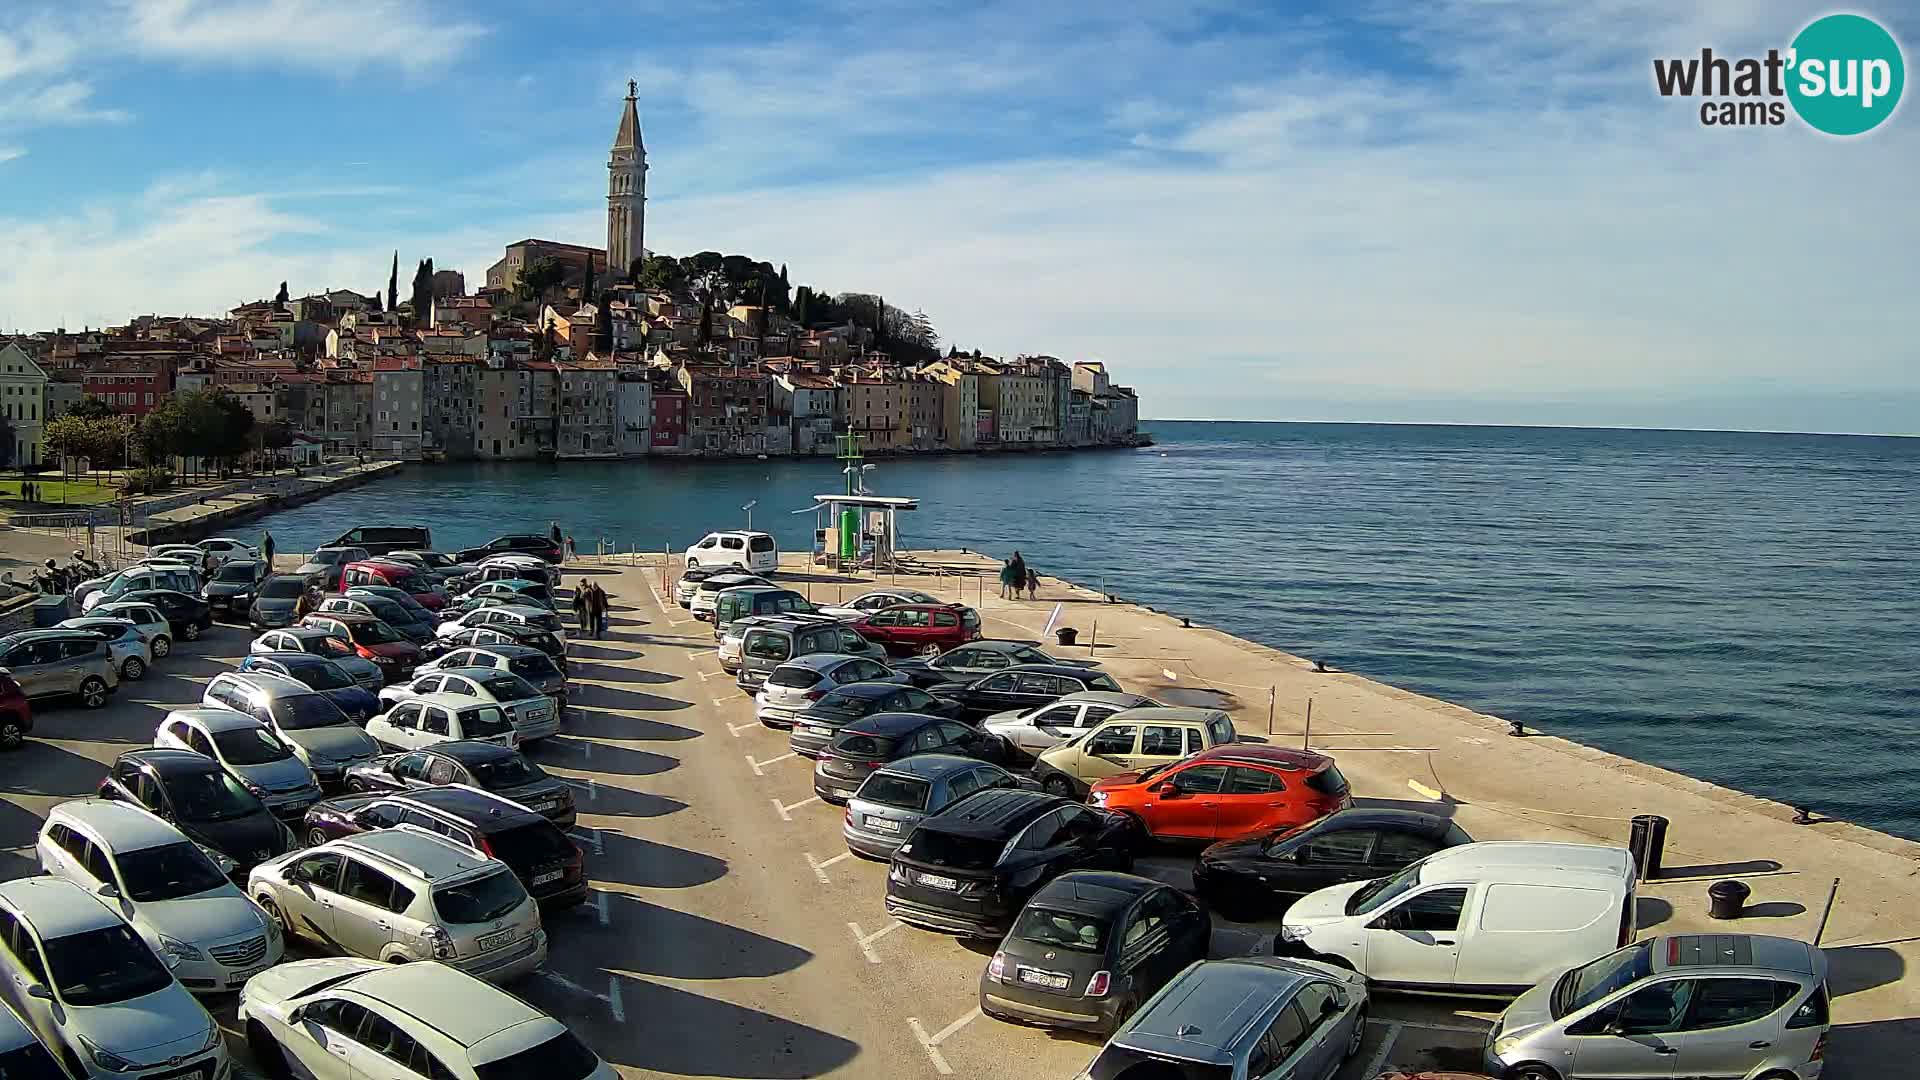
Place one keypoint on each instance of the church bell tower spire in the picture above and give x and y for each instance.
(627, 189)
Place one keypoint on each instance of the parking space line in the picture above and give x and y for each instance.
(785, 810)
(705, 675)
(614, 1004)
(1457, 1029)
(600, 907)
(593, 837)
(760, 767)
(735, 729)
(932, 1043)
(865, 941)
(592, 791)
(820, 866)
(730, 700)
(1378, 1062)
(1422, 789)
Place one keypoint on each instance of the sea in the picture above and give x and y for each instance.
(1739, 607)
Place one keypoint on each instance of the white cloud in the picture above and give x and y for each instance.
(54, 105)
(331, 35)
(8, 153)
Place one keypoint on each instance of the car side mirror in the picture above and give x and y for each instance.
(1167, 790)
(1332, 1005)
(109, 890)
(39, 990)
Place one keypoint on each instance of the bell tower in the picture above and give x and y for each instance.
(626, 190)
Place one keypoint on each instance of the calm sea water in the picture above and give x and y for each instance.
(1740, 607)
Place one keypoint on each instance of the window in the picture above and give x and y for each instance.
(1004, 684)
(406, 717)
(1726, 1002)
(945, 618)
(1221, 729)
(1158, 740)
(928, 738)
(1200, 779)
(1279, 1043)
(1650, 1010)
(1245, 781)
(1399, 849)
(1042, 833)
(1339, 847)
(1314, 1001)
(320, 871)
(437, 722)
(361, 882)
(1113, 741)
(1437, 911)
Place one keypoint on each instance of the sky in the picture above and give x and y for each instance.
(1457, 211)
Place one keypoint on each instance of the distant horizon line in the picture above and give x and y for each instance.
(1549, 427)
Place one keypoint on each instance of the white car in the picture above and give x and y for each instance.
(177, 576)
(707, 593)
(226, 547)
(22, 1054)
(95, 993)
(534, 714)
(438, 718)
(250, 751)
(145, 618)
(132, 652)
(449, 1024)
(752, 551)
(528, 567)
(520, 615)
(869, 602)
(183, 907)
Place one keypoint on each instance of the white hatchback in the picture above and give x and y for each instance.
(442, 717)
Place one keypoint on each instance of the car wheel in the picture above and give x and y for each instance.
(273, 912)
(162, 645)
(1532, 1070)
(93, 692)
(1057, 785)
(316, 837)
(266, 1051)
(931, 649)
(190, 632)
(693, 564)
(135, 668)
(11, 734)
(1359, 1034)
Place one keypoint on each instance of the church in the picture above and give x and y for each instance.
(626, 217)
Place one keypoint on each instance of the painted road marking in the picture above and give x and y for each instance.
(1378, 1062)
(820, 867)
(705, 675)
(600, 907)
(731, 700)
(592, 837)
(592, 791)
(614, 1004)
(865, 941)
(932, 1043)
(1458, 1029)
(760, 767)
(736, 729)
(1423, 789)
(785, 810)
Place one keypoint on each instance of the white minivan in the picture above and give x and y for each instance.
(754, 551)
(1479, 918)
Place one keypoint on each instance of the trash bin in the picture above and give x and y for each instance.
(1648, 841)
(1066, 634)
(1727, 898)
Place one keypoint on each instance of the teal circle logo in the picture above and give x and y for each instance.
(1845, 74)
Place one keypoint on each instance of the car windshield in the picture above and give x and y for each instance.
(234, 572)
(508, 687)
(507, 772)
(101, 967)
(955, 850)
(320, 676)
(1102, 682)
(1284, 837)
(30, 1062)
(848, 704)
(1067, 929)
(406, 582)
(1583, 986)
(250, 746)
(483, 721)
(532, 667)
(562, 1057)
(482, 899)
(386, 609)
(1378, 892)
(283, 588)
(1117, 1062)
(210, 796)
(899, 792)
(299, 712)
(1148, 774)
(374, 633)
(167, 872)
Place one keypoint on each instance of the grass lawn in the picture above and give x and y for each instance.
(78, 492)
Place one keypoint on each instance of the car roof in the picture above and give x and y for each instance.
(1092, 892)
(1171, 714)
(930, 766)
(819, 661)
(286, 577)
(432, 856)
(476, 807)
(49, 634)
(305, 631)
(57, 907)
(457, 1005)
(455, 702)
(295, 659)
(269, 682)
(792, 622)
(14, 1032)
(889, 723)
(505, 651)
(1369, 817)
(1208, 1010)
(122, 826)
(1071, 671)
(469, 752)
(939, 606)
(1529, 861)
(1733, 951)
(871, 690)
(215, 720)
(1277, 757)
(994, 812)
(167, 761)
(1105, 697)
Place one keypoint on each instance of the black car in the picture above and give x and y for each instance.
(231, 590)
(522, 544)
(816, 725)
(1024, 686)
(486, 637)
(499, 769)
(322, 674)
(186, 615)
(1257, 877)
(873, 741)
(1090, 948)
(195, 793)
(970, 868)
(977, 659)
(382, 539)
(275, 602)
(540, 855)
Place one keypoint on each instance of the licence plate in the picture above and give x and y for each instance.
(935, 881)
(240, 977)
(815, 729)
(883, 824)
(551, 875)
(1043, 978)
(489, 942)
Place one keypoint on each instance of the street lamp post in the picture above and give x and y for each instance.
(751, 503)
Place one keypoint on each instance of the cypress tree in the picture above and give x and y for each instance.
(393, 283)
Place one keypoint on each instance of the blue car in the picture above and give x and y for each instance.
(321, 674)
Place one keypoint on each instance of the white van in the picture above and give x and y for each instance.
(1478, 918)
(752, 551)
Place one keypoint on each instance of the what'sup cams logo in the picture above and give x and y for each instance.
(1842, 75)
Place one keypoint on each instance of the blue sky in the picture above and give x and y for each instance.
(1464, 210)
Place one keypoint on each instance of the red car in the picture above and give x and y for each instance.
(923, 629)
(16, 716)
(1230, 791)
(399, 575)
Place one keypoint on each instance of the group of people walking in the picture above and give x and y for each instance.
(1015, 575)
(590, 603)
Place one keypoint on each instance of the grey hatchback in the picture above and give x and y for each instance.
(1243, 1019)
(55, 663)
(891, 801)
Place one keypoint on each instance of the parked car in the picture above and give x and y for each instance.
(920, 629)
(199, 558)
(753, 551)
(1707, 1005)
(690, 579)
(815, 726)
(970, 868)
(185, 568)
(1227, 792)
(872, 742)
(437, 718)
(397, 616)
(132, 653)
(321, 642)
(455, 1026)
(513, 591)
(418, 585)
(249, 750)
(869, 602)
(226, 548)
(275, 602)
(309, 721)
(547, 863)
(437, 563)
(1256, 877)
(513, 567)
(232, 588)
(95, 993)
(373, 639)
(1031, 731)
(404, 895)
(733, 638)
(1090, 947)
(748, 601)
(61, 663)
(487, 766)
(895, 798)
(532, 713)
(1482, 918)
(500, 636)
(1026, 686)
(510, 616)
(181, 904)
(420, 612)
(145, 618)
(322, 568)
(201, 799)
(22, 1055)
(16, 715)
(771, 642)
(707, 593)
(978, 659)
(321, 675)
(1254, 1016)
(801, 682)
(529, 663)
(139, 578)
(1131, 740)
(519, 543)
(381, 539)
(188, 616)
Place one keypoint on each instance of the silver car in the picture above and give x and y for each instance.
(132, 653)
(320, 734)
(321, 642)
(249, 751)
(534, 714)
(152, 623)
(800, 682)
(57, 663)
(892, 800)
(1031, 731)
(1732, 1005)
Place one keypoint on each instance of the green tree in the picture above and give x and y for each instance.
(67, 437)
(280, 298)
(540, 277)
(586, 288)
(373, 302)
(6, 441)
(802, 305)
(663, 273)
(393, 283)
(423, 293)
(159, 432)
(91, 408)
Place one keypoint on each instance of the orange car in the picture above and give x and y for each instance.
(1234, 790)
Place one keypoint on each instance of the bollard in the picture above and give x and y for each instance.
(1648, 840)
(1066, 635)
(1726, 898)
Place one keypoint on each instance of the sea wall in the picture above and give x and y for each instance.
(206, 515)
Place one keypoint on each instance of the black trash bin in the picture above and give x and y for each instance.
(1727, 898)
(1066, 634)
(1648, 841)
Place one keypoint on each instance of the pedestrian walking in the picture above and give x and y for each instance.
(572, 552)
(266, 550)
(601, 603)
(1033, 584)
(582, 601)
(1006, 579)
